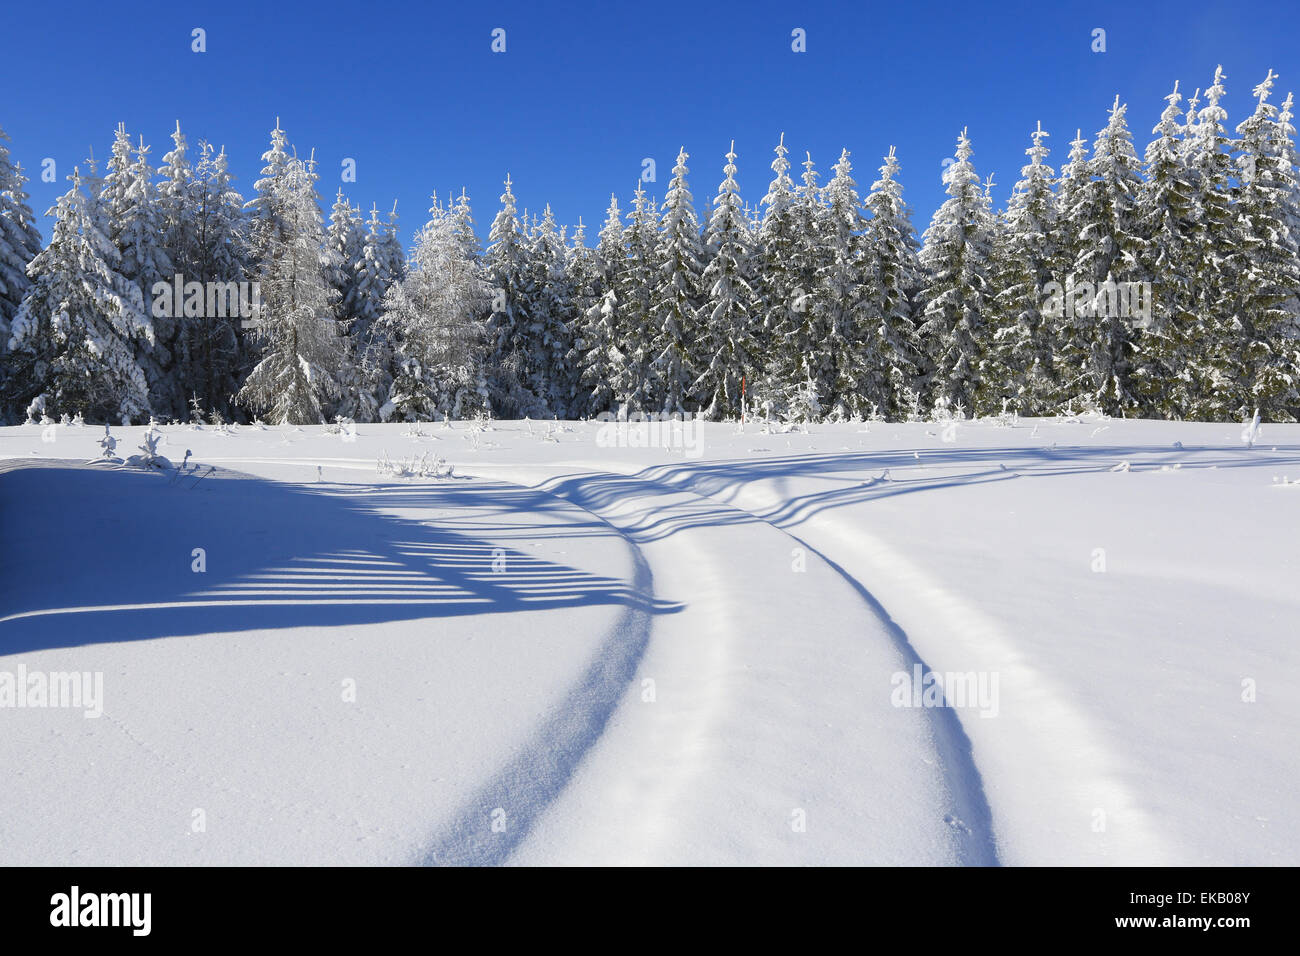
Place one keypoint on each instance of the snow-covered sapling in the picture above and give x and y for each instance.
(108, 445)
(1250, 430)
(149, 457)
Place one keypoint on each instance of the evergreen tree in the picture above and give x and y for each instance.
(846, 291)
(75, 335)
(777, 286)
(210, 359)
(434, 322)
(801, 366)
(675, 302)
(1025, 260)
(1286, 134)
(586, 291)
(346, 237)
(267, 212)
(602, 337)
(1258, 357)
(634, 283)
(956, 296)
(19, 241)
(892, 279)
(392, 254)
(510, 319)
(374, 275)
(726, 343)
(1166, 225)
(296, 378)
(548, 340)
(1098, 341)
(1213, 252)
(136, 227)
(178, 203)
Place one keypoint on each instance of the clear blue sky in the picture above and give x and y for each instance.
(584, 92)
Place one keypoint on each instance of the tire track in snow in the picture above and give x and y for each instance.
(546, 761)
(678, 785)
(1072, 770)
(971, 820)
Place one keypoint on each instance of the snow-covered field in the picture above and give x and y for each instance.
(669, 644)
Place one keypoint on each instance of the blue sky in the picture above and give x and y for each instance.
(585, 92)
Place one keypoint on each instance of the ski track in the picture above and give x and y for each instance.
(532, 780)
(1081, 778)
(971, 820)
(967, 825)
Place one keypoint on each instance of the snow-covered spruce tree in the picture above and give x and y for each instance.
(801, 361)
(586, 291)
(365, 278)
(1165, 222)
(136, 227)
(374, 274)
(19, 241)
(956, 296)
(891, 275)
(634, 284)
(1097, 341)
(845, 293)
(266, 210)
(74, 337)
(391, 253)
(1216, 330)
(1069, 202)
(775, 282)
(509, 277)
(178, 204)
(725, 347)
(1287, 144)
(346, 238)
(548, 339)
(296, 378)
(675, 302)
(1025, 258)
(602, 358)
(1258, 359)
(209, 358)
(435, 323)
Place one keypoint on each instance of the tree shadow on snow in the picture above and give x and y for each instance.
(857, 477)
(88, 556)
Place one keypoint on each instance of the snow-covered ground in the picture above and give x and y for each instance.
(668, 644)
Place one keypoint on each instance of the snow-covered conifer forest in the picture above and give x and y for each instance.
(1162, 284)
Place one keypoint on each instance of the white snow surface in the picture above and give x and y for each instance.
(572, 653)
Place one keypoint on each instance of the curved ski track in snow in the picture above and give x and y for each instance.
(673, 769)
(1050, 757)
(528, 785)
